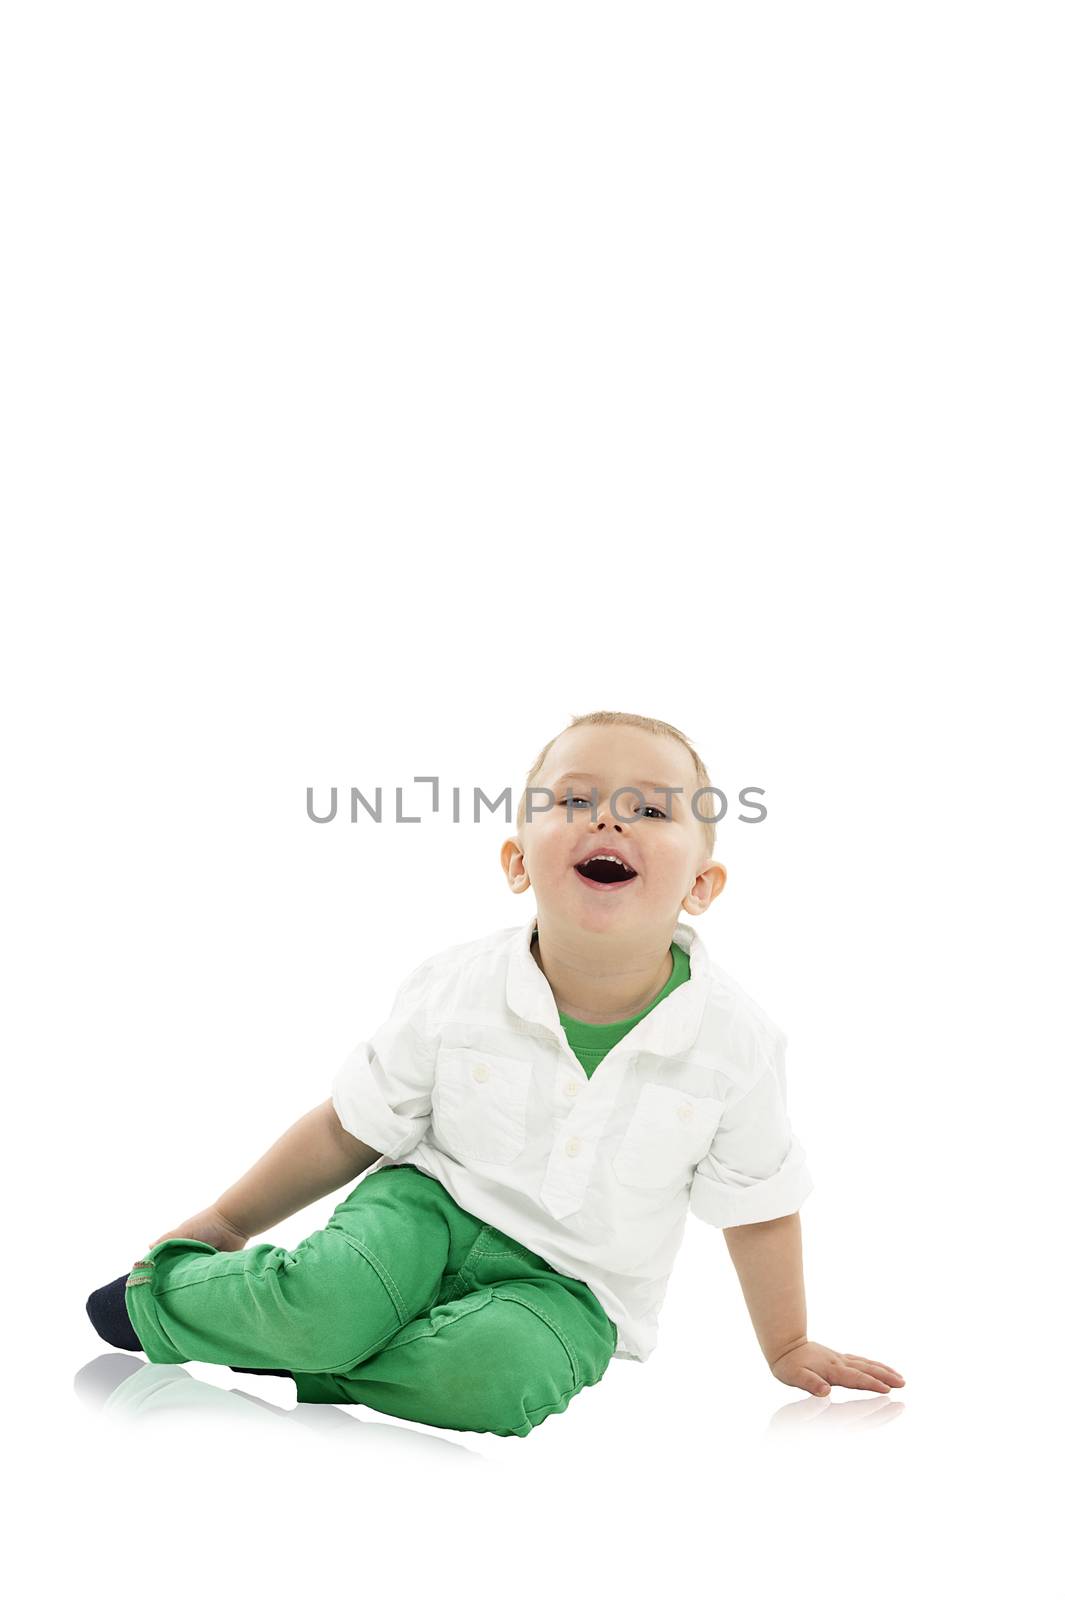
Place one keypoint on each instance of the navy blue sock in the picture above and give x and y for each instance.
(107, 1312)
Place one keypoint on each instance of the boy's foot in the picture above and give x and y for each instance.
(107, 1312)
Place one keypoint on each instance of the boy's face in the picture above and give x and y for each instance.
(656, 834)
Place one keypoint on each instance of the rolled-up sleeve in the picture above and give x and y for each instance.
(755, 1168)
(382, 1093)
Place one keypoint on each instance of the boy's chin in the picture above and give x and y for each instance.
(598, 913)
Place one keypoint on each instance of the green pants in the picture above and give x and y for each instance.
(403, 1302)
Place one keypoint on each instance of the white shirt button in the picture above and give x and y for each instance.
(572, 1146)
(684, 1112)
(571, 1086)
(480, 1072)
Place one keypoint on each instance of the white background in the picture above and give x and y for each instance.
(385, 385)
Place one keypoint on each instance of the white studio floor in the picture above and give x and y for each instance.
(699, 1460)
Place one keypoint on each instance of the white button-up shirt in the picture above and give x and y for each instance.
(473, 1081)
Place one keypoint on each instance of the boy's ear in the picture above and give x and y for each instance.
(708, 885)
(512, 860)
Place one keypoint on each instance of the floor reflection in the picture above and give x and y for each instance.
(826, 1417)
(125, 1388)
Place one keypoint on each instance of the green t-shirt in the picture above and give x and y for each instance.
(590, 1041)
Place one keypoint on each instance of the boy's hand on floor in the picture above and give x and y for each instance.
(209, 1226)
(815, 1368)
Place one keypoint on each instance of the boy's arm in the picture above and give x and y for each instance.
(313, 1158)
(768, 1261)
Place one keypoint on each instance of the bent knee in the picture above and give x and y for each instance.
(335, 1311)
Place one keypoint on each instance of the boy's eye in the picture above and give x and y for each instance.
(580, 800)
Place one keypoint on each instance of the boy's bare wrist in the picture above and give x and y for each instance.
(773, 1352)
(230, 1222)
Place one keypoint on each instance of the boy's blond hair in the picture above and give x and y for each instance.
(600, 719)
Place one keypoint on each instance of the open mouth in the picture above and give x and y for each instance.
(605, 870)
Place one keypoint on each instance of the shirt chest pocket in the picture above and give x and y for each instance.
(479, 1103)
(669, 1132)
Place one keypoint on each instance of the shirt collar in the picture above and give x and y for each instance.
(671, 1027)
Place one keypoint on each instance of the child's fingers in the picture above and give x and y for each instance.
(809, 1379)
(858, 1378)
(877, 1366)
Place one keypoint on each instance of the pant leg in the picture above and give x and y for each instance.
(340, 1295)
(510, 1343)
